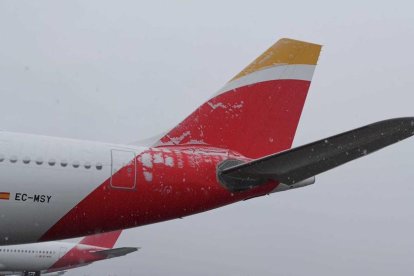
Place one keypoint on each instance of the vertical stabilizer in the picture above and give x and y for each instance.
(105, 240)
(257, 112)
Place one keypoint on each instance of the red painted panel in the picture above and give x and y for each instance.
(182, 182)
(254, 120)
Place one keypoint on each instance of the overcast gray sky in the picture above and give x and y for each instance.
(121, 71)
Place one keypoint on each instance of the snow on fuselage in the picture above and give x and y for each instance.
(55, 188)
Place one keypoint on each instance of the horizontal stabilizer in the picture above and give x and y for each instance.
(116, 252)
(58, 273)
(292, 166)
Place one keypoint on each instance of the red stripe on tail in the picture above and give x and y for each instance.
(105, 240)
(255, 120)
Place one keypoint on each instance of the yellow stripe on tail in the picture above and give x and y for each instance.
(283, 52)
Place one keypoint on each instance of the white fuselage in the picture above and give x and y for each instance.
(46, 177)
(32, 257)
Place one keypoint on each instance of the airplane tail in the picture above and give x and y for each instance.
(104, 240)
(257, 112)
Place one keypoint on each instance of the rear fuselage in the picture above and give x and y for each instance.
(54, 188)
(46, 257)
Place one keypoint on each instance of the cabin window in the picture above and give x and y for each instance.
(99, 166)
(76, 164)
(1, 157)
(13, 159)
(87, 165)
(26, 160)
(39, 161)
(63, 163)
(52, 162)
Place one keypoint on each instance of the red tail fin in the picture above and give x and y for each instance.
(105, 240)
(258, 111)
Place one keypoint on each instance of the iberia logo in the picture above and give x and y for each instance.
(4, 196)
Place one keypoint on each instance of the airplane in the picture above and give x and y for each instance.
(54, 258)
(235, 146)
